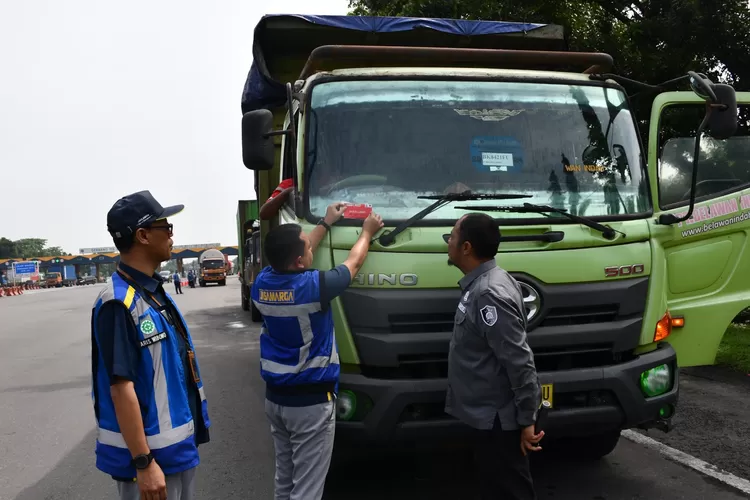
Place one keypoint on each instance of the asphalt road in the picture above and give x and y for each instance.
(47, 426)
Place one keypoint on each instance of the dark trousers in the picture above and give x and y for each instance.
(503, 471)
(177, 287)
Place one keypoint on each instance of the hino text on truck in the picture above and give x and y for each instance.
(633, 259)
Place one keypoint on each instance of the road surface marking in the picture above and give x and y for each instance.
(690, 461)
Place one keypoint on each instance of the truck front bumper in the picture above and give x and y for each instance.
(586, 401)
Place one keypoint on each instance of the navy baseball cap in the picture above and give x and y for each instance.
(137, 210)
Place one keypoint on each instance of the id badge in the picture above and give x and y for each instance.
(193, 367)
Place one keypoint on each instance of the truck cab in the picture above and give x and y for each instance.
(597, 229)
(212, 268)
(54, 279)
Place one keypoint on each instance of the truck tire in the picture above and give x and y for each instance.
(245, 299)
(595, 447)
(223, 283)
(202, 283)
(255, 314)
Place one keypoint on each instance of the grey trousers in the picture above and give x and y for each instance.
(180, 486)
(303, 439)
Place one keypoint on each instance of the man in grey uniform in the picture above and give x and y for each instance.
(492, 381)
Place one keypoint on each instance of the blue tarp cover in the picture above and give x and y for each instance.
(262, 91)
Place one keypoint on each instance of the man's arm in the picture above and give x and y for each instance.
(333, 283)
(358, 253)
(504, 330)
(333, 214)
(272, 206)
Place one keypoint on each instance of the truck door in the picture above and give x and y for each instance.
(701, 266)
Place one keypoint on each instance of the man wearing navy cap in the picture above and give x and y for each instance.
(148, 395)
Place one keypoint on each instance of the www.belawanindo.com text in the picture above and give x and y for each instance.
(707, 214)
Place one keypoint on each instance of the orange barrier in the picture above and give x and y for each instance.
(11, 291)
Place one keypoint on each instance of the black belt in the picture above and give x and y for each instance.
(302, 389)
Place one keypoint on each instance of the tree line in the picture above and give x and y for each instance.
(26, 248)
(650, 40)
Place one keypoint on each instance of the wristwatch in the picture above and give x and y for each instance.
(143, 461)
(323, 223)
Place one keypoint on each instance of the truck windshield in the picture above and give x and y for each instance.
(386, 142)
(213, 264)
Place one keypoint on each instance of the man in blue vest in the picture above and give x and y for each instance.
(148, 395)
(299, 359)
(177, 282)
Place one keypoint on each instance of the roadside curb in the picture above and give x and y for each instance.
(682, 458)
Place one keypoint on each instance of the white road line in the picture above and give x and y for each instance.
(683, 458)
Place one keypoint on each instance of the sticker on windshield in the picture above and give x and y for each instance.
(496, 154)
(357, 210)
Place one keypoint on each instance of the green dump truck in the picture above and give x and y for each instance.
(633, 259)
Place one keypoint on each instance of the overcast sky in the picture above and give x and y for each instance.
(101, 99)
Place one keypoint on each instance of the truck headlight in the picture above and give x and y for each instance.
(656, 381)
(346, 405)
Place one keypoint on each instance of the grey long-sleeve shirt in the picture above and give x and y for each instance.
(490, 366)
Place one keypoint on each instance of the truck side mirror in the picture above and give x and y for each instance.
(720, 121)
(257, 140)
(722, 105)
(723, 121)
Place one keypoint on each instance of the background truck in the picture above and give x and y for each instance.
(61, 275)
(630, 259)
(248, 243)
(212, 268)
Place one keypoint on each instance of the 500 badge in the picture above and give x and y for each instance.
(619, 271)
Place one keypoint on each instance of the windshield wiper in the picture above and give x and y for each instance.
(606, 231)
(441, 200)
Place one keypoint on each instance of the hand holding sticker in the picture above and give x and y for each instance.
(357, 210)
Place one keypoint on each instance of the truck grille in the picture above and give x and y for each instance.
(421, 323)
(406, 333)
(559, 316)
(581, 315)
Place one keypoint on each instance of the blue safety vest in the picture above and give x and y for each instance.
(297, 342)
(160, 387)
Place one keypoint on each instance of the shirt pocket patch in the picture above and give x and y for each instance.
(151, 330)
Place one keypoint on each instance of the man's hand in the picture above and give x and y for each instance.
(372, 224)
(529, 440)
(334, 212)
(151, 482)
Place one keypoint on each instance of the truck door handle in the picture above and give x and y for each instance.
(549, 237)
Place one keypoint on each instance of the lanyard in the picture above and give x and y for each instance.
(163, 310)
(176, 322)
